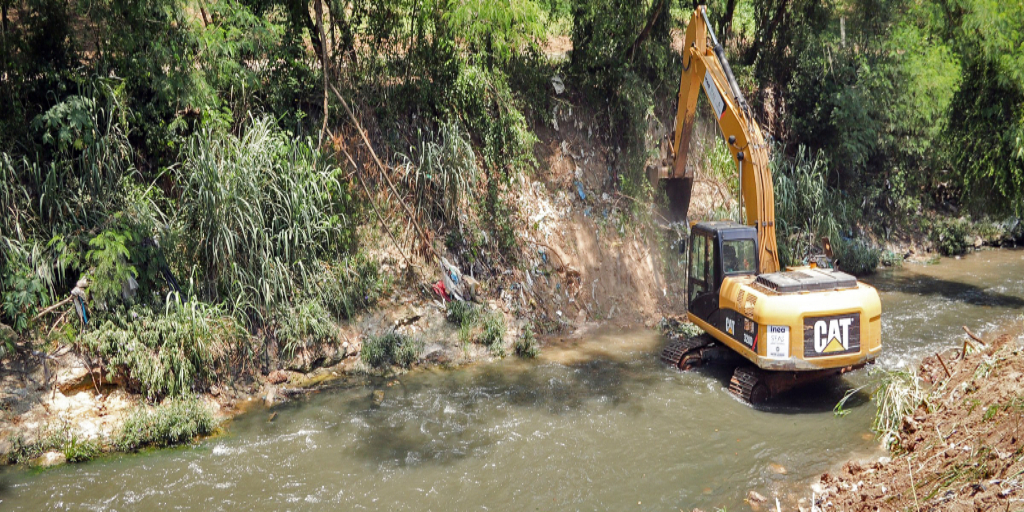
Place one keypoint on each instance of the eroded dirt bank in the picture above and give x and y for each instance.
(959, 449)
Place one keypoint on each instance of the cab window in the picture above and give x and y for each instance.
(698, 266)
(739, 257)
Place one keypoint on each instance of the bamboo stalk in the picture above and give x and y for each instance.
(373, 204)
(383, 171)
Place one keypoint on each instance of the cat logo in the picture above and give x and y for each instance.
(730, 326)
(833, 335)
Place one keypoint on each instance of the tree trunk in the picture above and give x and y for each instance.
(323, 60)
(655, 12)
(730, 10)
(768, 34)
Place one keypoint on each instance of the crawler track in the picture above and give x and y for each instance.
(749, 385)
(686, 353)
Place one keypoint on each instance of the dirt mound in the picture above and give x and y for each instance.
(960, 450)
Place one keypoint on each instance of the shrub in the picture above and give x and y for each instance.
(261, 212)
(175, 422)
(351, 285)
(441, 174)
(389, 349)
(857, 257)
(891, 259)
(526, 346)
(62, 438)
(304, 326)
(950, 236)
(77, 449)
(461, 313)
(493, 336)
(168, 354)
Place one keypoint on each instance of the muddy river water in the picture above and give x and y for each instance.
(597, 424)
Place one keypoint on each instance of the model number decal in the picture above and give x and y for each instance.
(778, 342)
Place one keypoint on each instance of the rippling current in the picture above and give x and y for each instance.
(594, 424)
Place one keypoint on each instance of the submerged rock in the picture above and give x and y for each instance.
(48, 459)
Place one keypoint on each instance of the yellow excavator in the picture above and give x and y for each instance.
(792, 327)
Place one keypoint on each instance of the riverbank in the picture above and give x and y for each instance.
(953, 427)
(582, 260)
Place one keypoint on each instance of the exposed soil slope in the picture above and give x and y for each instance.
(960, 450)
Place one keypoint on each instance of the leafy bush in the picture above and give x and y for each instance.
(856, 256)
(441, 174)
(891, 259)
(461, 313)
(177, 421)
(493, 336)
(304, 326)
(391, 349)
(169, 354)
(950, 236)
(350, 285)
(808, 209)
(526, 346)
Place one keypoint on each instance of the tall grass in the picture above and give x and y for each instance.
(175, 422)
(391, 348)
(898, 394)
(807, 209)
(441, 173)
(260, 212)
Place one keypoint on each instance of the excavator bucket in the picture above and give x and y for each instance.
(678, 191)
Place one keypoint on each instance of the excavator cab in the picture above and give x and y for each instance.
(718, 250)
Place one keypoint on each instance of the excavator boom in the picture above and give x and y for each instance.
(706, 67)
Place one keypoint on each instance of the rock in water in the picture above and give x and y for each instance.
(49, 459)
(756, 497)
(778, 469)
(378, 396)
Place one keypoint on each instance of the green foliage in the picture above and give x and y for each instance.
(500, 29)
(111, 268)
(461, 313)
(304, 326)
(169, 354)
(261, 213)
(391, 348)
(950, 236)
(891, 259)
(856, 256)
(493, 336)
(442, 174)
(350, 285)
(526, 346)
(61, 437)
(23, 283)
(174, 422)
(615, 66)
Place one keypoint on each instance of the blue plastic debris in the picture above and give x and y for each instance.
(579, 190)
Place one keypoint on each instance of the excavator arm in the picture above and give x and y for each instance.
(706, 67)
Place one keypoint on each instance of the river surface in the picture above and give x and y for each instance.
(594, 424)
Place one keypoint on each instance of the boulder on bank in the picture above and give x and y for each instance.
(52, 458)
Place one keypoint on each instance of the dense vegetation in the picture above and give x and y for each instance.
(192, 161)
